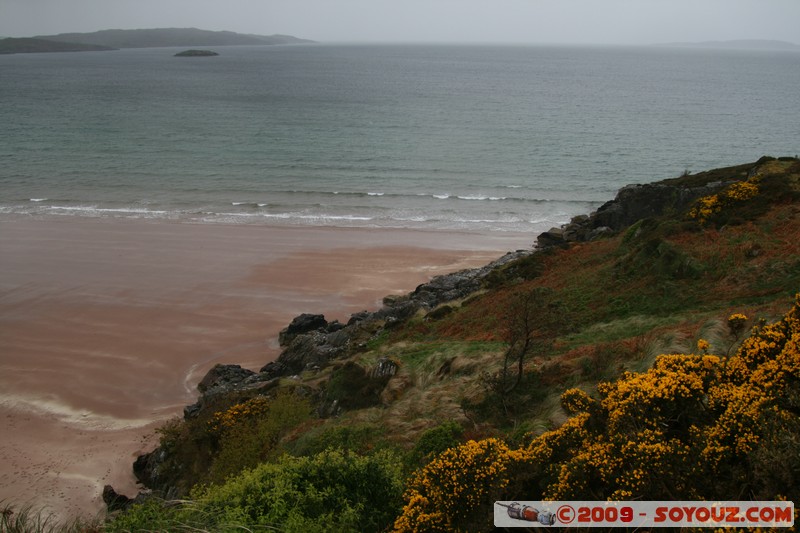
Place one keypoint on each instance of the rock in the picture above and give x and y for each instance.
(196, 53)
(602, 231)
(146, 468)
(302, 324)
(384, 369)
(632, 204)
(334, 326)
(551, 238)
(115, 501)
(358, 317)
(439, 313)
(223, 377)
(305, 350)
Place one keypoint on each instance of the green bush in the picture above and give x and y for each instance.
(254, 439)
(152, 515)
(436, 440)
(360, 438)
(330, 491)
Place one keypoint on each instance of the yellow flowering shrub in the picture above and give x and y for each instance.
(691, 427)
(703, 346)
(736, 323)
(456, 490)
(707, 206)
(238, 413)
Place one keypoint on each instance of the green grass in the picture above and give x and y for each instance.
(657, 288)
(27, 519)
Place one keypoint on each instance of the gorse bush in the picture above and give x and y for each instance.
(250, 432)
(692, 427)
(707, 207)
(456, 490)
(227, 439)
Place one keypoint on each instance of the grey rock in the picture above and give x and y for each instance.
(384, 369)
(302, 324)
(223, 377)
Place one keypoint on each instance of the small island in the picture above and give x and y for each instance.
(196, 53)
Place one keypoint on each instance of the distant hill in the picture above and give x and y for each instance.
(32, 45)
(741, 44)
(163, 37)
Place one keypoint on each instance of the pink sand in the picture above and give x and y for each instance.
(107, 325)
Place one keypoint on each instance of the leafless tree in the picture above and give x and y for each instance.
(531, 320)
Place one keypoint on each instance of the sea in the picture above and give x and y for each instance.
(456, 137)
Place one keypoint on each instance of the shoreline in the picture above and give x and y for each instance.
(108, 324)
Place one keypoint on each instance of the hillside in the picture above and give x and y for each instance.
(31, 45)
(646, 351)
(166, 37)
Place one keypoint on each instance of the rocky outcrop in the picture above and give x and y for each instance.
(301, 324)
(224, 379)
(632, 203)
(197, 53)
(310, 342)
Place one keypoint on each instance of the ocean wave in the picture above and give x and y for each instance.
(424, 210)
(122, 210)
(482, 197)
(443, 196)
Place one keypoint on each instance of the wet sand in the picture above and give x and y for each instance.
(107, 325)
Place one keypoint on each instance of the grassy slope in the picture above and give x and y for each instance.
(656, 288)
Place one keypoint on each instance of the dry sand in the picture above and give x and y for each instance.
(107, 325)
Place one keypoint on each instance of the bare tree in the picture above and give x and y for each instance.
(530, 323)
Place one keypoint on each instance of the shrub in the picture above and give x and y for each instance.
(456, 490)
(330, 491)
(436, 440)
(692, 427)
(251, 431)
(359, 438)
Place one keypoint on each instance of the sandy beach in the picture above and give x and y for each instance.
(107, 325)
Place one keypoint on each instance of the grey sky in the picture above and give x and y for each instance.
(484, 21)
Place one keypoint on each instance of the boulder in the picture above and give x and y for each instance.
(223, 377)
(551, 238)
(115, 501)
(384, 369)
(302, 324)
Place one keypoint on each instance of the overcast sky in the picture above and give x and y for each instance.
(482, 21)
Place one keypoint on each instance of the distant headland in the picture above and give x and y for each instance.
(740, 44)
(146, 38)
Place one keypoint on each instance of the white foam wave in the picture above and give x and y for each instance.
(39, 199)
(93, 209)
(83, 418)
(482, 197)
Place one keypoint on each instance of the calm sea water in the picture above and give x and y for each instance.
(456, 137)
